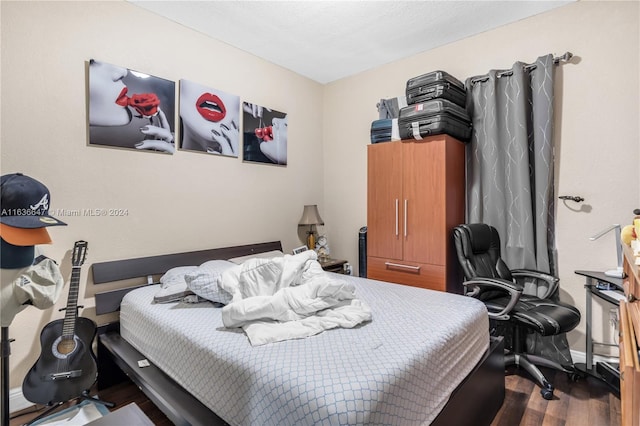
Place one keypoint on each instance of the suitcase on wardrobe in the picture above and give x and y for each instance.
(434, 117)
(435, 85)
(381, 130)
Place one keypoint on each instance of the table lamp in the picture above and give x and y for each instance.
(618, 272)
(310, 217)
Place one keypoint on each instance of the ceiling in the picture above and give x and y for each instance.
(329, 40)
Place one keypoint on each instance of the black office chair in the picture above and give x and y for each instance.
(489, 279)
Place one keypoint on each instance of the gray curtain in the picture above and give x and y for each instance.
(510, 172)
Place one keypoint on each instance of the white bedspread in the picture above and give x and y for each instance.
(289, 297)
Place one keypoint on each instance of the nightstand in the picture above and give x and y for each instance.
(332, 265)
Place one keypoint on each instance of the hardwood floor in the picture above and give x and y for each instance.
(585, 402)
(120, 394)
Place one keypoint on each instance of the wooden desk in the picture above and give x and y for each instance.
(629, 338)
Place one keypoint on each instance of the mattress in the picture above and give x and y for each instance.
(400, 368)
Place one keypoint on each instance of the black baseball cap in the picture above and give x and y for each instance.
(15, 257)
(24, 210)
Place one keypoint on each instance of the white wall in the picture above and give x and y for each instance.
(184, 202)
(597, 128)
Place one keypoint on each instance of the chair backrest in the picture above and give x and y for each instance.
(478, 251)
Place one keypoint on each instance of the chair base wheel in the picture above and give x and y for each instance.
(574, 377)
(547, 392)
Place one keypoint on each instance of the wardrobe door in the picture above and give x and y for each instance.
(424, 231)
(384, 200)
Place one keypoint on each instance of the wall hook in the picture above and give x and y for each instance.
(572, 198)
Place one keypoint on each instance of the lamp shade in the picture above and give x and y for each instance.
(310, 216)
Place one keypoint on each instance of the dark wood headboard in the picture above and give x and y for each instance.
(142, 267)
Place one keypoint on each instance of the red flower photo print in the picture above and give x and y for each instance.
(129, 109)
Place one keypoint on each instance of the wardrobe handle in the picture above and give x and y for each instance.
(398, 265)
(396, 217)
(405, 218)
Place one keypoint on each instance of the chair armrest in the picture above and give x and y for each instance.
(530, 273)
(514, 290)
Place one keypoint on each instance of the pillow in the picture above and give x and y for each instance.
(173, 286)
(204, 281)
(264, 255)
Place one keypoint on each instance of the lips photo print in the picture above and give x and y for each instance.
(209, 120)
(130, 109)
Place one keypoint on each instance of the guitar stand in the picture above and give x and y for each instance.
(83, 397)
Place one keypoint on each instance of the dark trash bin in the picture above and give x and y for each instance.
(362, 252)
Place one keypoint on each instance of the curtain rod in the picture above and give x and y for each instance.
(564, 58)
(528, 67)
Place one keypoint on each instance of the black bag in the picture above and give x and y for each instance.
(438, 116)
(436, 85)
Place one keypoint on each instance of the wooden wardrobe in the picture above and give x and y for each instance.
(415, 196)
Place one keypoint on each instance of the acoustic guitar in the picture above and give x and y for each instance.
(67, 365)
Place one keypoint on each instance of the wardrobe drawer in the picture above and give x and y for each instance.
(410, 273)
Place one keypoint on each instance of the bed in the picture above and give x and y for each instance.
(425, 357)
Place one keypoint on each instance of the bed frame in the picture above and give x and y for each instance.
(474, 402)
